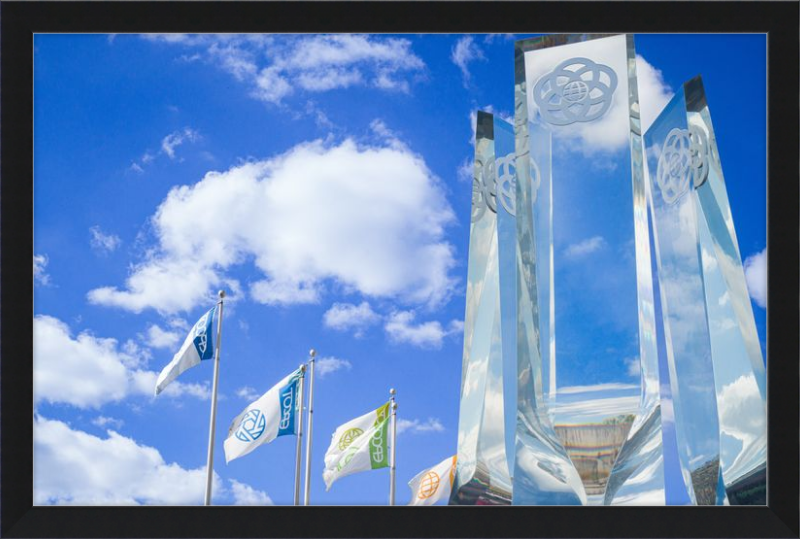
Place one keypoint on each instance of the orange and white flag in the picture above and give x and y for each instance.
(433, 484)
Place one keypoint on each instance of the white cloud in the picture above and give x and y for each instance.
(466, 170)
(247, 495)
(383, 236)
(401, 329)
(160, 338)
(40, 276)
(247, 393)
(327, 365)
(89, 371)
(175, 139)
(595, 410)
(416, 426)
(275, 68)
(104, 243)
(654, 93)
(74, 467)
(634, 366)
(103, 421)
(585, 247)
(346, 316)
(465, 51)
(135, 167)
(755, 273)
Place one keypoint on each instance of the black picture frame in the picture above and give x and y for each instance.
(20, 20)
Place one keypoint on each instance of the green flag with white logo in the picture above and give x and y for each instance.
(359, 445)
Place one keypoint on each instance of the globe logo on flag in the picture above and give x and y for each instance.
(683, 161)
(252, 426)
(200, 335)
(577, 90)
(348, 437)
(428, 486)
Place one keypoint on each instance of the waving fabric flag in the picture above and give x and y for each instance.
(359, 445)
(198, 346)
(274, 414)
(433, 484)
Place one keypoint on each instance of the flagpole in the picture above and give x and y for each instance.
(298, 454)
(212, 423)
(312, 354)
(392, 392)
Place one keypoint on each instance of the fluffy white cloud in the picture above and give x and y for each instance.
(246, 495)
(654, 93)
(173, 140)
(755, 273)
(383, 236)
(275, 68)
(634, 366)
(416, 426)
(585, 247)
(465, 51)
(103, 421)
(40, 276)
(104, 243)
(89, 371)
(401, 329)
(161, 338)
(614, 386)
(327, 365)
(346, 316)
(74, 467)
(247, 393)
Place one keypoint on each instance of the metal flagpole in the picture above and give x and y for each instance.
(298, 454)
(392, 392)
(311, 355)
(210, 461)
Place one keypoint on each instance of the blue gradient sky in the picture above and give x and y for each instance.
(134, 234)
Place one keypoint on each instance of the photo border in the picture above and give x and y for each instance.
(20, 20)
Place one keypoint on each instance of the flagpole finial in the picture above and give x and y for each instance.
(312, 352)
(392, 392)
(221, 294)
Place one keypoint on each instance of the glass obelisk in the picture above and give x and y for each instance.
(584, 266)
(488, 392)
(717, 372)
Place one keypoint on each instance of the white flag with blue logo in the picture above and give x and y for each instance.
(274, 414)
(199, 345)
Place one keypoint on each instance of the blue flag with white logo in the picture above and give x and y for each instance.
(198, 346)
(274, 414)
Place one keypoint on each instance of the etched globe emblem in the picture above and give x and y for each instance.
(575, 91)
(506, 183)
(252, 426)
(428, 486)
(675, 171)
(348, 437)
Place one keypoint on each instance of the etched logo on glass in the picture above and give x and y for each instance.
(252, 426)
(683, 161)
(577, 90)
(487, 193)
(507, 182)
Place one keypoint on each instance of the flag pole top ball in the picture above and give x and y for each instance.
(312, 352)
(392, 392)
(221, 294)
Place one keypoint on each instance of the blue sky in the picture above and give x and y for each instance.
(325, 183)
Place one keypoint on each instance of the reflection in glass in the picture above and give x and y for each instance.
(582, 217)
(712, 324)
(485, 440)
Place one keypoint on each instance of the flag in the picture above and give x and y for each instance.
(433, 484)
(274, 414)
(198, 346)
(359, 445)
